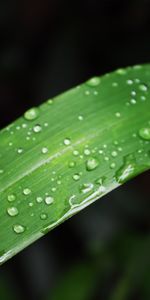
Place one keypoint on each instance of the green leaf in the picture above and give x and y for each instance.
(59, 158)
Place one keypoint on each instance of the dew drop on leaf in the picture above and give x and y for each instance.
(92, 164)
(143, 87)
(12, 211)
(31, 114)
(67, 141)
(49, 200)
(43, 216)
(144, 133)
(26, 191)
(95, 81)
(37, 128)
(76, 177)
(18, 228)
(11, 197)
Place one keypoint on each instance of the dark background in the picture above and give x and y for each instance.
(47, 47)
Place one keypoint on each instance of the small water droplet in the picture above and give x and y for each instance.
(39, 199)
(92, 164)
(43, 216)
(114, 153)
(71, 164)
(115, 84)
(87, 152)
(143, 87)
(49, 200)
(37, 128)
(127, 170)
(75, 152)
(112, 165)
(144, 133)
(11, 198)
(86, 187)
(12, 211)
(76, 177)
(67, 141)
(118, 114)
(18, 228)
(1, 171)
(80, 118)
(133, 101)
(31, 114)
(121, 71)
(129, 82)
(95, 81)
(20, 150)
(50, 101)
(26, 191)
(44, 150)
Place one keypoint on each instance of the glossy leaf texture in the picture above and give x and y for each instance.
(62, 156)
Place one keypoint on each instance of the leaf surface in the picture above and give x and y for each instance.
(73, 149)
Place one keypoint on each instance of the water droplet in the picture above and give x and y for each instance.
(71, 164)
(37, 128)
(86, 187)
(11, 198)
(143, 98)
(75, 152)
(112, 165)
(127, 170)
(121, 71)
(1, 171)
(76, 177)
(133, 93)
(80, 118)
(133, 101)
(129, 82)
(144, 133)
(114, 153)
(44, 150)
(18, 228)
(95, 81)
(143, 87)
(49, 200)
(117, 114)
(115, 84)
(20, 150)
(31, 114)
(50, 101)
(87, 152)
(43, 216)
(87, 93)
(67, 141)
(12, 211)
(92, 164)
(26, 191)
(39, 199)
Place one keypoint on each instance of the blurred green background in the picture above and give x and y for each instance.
(47, 47)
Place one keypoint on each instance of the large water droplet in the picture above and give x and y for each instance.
(144, 133)
(12, 211)
(92, 164)
(31, 114)
(18, 228)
